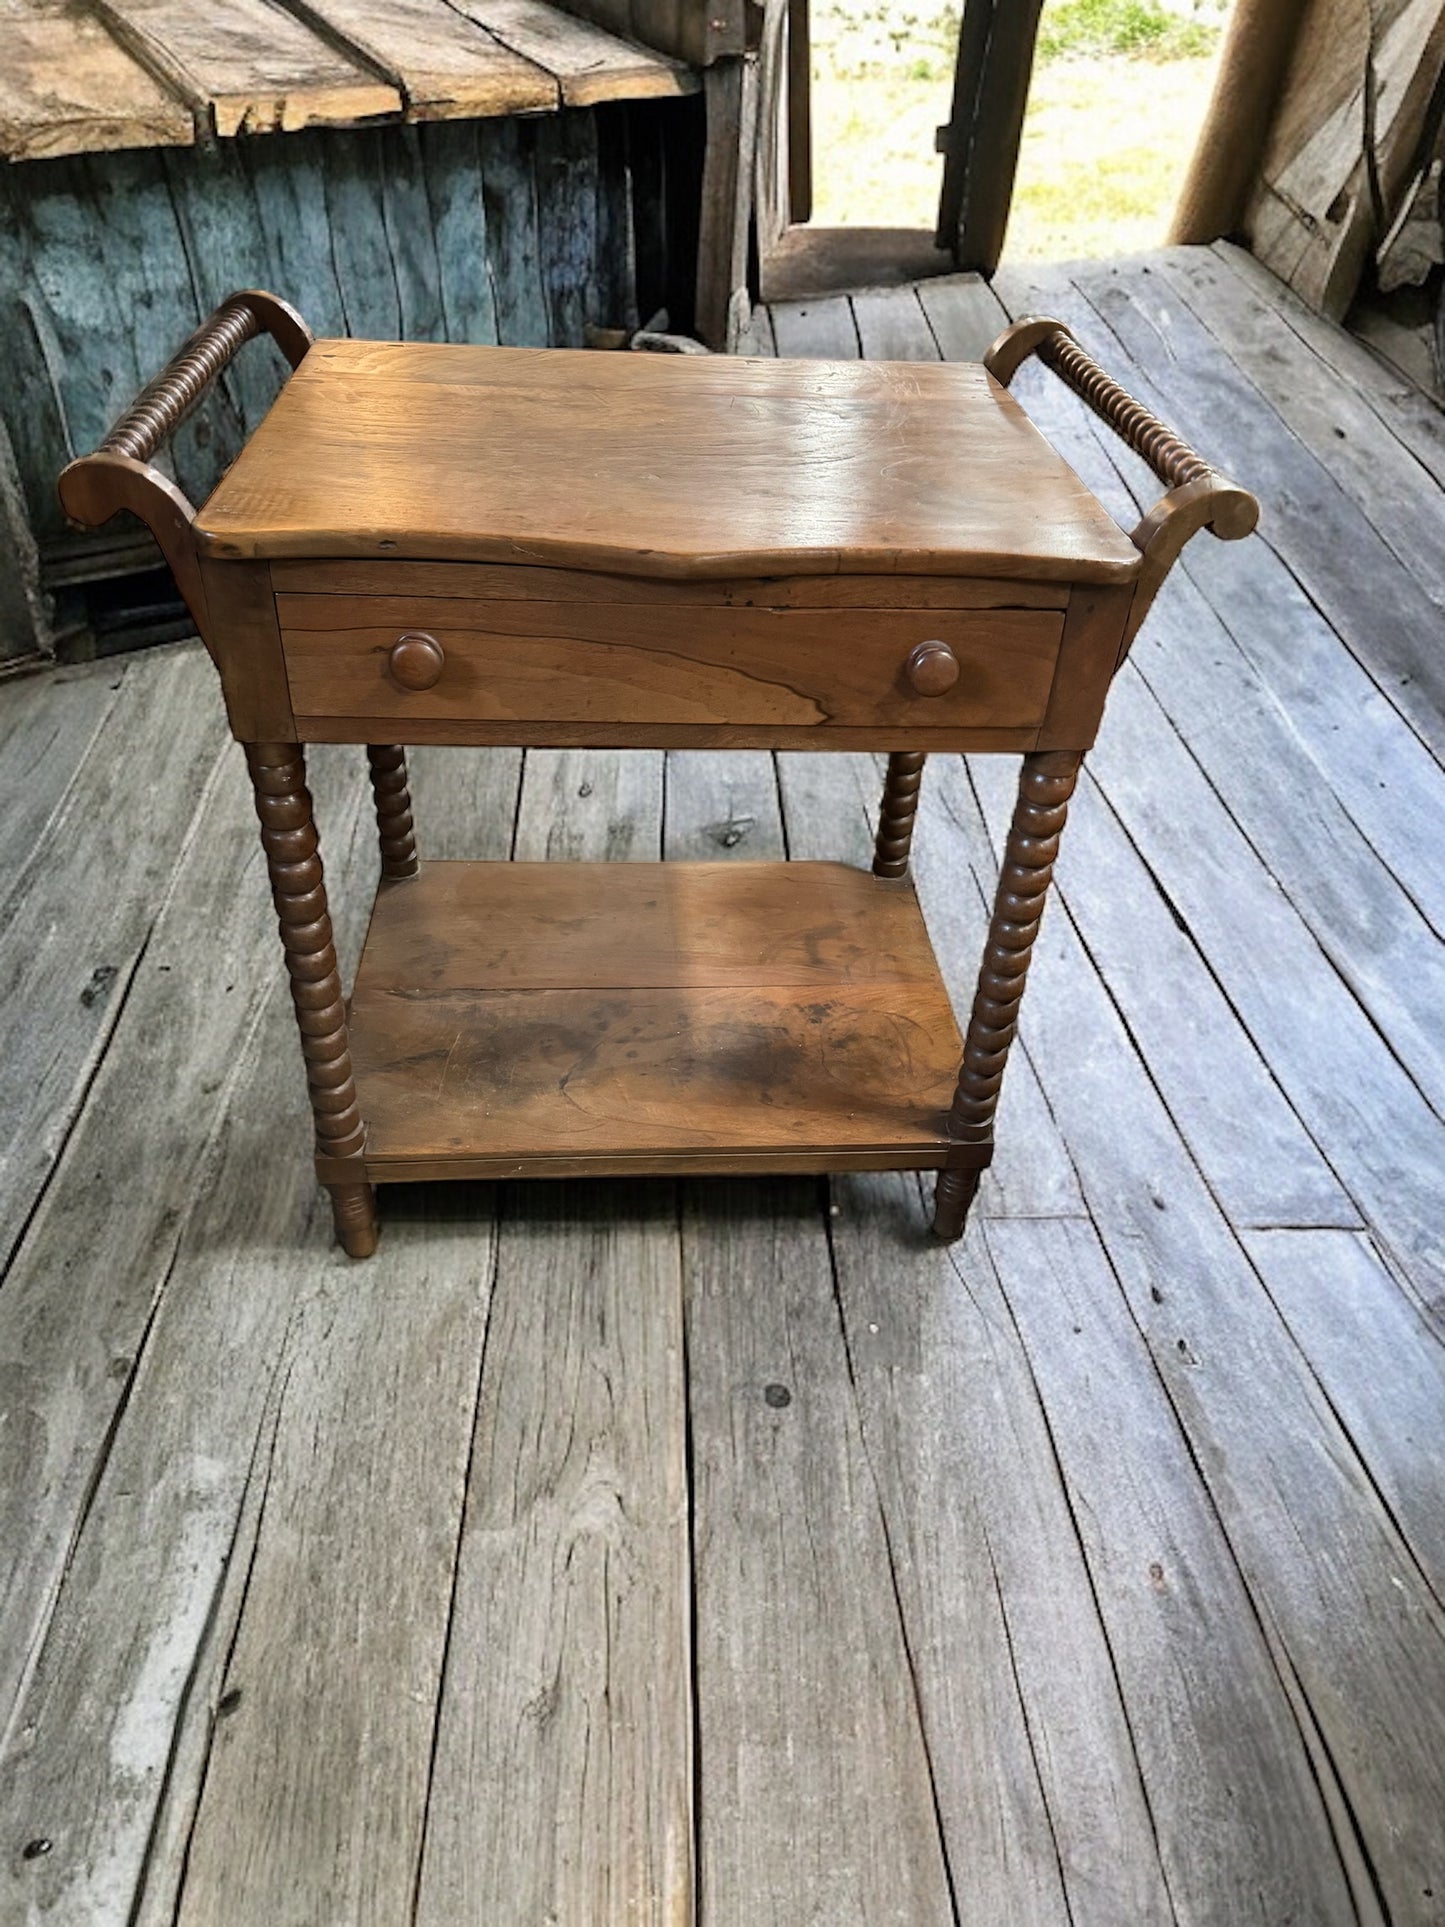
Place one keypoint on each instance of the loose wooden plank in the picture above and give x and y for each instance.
(1044, 1809)
(588, 64)
(1319, 1552)
(1242, 1830)
(447, 67)
(83, 907)
(67, 88)
(965, 314)
(892, 326)
(815, 330)
(247, 66)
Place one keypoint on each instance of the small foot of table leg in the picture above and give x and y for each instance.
(951, 1200)
(353, 1207)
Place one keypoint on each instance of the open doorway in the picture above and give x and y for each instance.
(905, 118)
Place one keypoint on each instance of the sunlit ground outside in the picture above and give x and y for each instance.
(1119, 92)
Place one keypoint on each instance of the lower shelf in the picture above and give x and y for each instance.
(565, 1019)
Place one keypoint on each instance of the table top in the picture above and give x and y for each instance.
(660, 465)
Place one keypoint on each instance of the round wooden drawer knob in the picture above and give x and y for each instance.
(931, 668)
(416, 661)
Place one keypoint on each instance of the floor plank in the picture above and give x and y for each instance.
(562, 1786)
(1044, 1810)
(315, 1792)
(1377, 608)
(817, 1802)
(130, 1435)
(81, 911)
(818, 330)
(1243, 1834)
(965, 314)
(1318, 1551)
(892, 325)
(1414, 417)
(815, 1807)
(563, 1781)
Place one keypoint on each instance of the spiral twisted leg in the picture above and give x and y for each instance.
(1046, 783)
(298, 886)
(895, 817)
(393, 809)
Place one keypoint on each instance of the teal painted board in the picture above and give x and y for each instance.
(511, 230)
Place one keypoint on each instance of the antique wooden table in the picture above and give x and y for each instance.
(444, 544)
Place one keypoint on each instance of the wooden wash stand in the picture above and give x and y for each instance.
(446, 544)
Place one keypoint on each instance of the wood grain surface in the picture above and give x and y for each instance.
(643, 663)
(658, 465)
(445, 65)
(536, 1015)
(245, 66)
(67, 88)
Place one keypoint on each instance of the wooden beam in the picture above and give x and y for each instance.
(980, 144)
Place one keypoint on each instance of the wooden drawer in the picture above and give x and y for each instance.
(608, 663)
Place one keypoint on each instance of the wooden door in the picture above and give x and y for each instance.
(980, 144)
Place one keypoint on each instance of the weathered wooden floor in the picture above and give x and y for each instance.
(592, 1549)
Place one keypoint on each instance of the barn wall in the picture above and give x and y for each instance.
(512, 230)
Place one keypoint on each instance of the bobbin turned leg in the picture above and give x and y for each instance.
(895, 816)
(1046, 783)
(288, 836)
(393, 809)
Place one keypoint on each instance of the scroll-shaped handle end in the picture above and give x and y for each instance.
(932, 669)
(416, 660)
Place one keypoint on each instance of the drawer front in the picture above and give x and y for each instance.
(536, 662)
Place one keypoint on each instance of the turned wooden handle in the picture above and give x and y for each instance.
(416, 660)
(164, 403)
(1234, 511)
(931, 669)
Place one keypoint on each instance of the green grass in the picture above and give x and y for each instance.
(1123, 27)
(1119, 90)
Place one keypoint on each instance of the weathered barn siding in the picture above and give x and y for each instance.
(516, 230)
